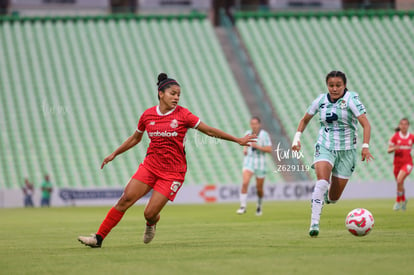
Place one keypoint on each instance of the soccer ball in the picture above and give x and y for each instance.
(359, 222)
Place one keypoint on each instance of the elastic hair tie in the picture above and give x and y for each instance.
(168, 82)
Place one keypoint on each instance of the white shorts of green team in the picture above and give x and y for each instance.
(343, 161)
(259, 173)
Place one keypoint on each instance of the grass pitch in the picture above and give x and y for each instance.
(208, 239)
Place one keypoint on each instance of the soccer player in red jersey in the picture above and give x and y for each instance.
(164, 167)
(401, 144)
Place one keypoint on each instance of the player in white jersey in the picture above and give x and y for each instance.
(255, 164)
(335, 150)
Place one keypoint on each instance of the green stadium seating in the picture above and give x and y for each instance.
(293, 52)
(73, 88)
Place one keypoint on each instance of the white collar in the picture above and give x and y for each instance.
(166, 114)
(402, 136)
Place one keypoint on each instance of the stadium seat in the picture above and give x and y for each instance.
(73, 89)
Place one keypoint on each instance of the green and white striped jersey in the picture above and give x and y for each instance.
(256, 158)
(339, 123)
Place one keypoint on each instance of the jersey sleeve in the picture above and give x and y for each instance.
(393, 140)
(314, 107)
(356, 106)
(191, 120)
(141, 124)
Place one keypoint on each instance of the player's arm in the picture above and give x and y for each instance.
(296, 146)
(130, 142)
(365, 154)
(392, 148)
(217, 133)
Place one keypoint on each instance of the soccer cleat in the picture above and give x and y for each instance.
(94, 241)
(259, 211)
(397, 206)
(314, 230)
(404, 205)
(149, 233)
(241, 210)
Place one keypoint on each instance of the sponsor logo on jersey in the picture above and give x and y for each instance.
(162, 134)
(152, 123)
(174, 123)
(331, 117)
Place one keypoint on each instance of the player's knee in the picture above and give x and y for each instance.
(150, 214)
(124, 202)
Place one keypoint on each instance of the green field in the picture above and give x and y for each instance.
(208, 239)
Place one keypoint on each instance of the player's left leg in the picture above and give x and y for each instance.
(152, 214)
(402, 175)
(342, 171)
(247, 175)
(337, 188)
(260, 193)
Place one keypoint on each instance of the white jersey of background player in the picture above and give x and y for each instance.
(255, 164)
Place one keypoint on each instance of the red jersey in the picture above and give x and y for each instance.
(402, 155)
(167, 134)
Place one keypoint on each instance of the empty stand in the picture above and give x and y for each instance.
(73, 88)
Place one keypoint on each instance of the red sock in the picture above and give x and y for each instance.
(399, 196)
(403, 197)
(110, 221)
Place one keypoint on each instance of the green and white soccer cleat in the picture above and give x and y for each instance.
(314, 230)
(241, 210)
(259, 211)
(404, 205)
(397, 206)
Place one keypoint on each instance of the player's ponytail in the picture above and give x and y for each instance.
(164, 82)
(161, 78)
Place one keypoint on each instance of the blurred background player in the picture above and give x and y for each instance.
(255, 164)
(164, 167)
(335, 150)
(28, 190)
(401, 144)
(47, 190)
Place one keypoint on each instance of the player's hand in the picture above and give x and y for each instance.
(296, 147)
(254, 145)
(247, 139)
(366, 155)
(108, 159)
(296, 141)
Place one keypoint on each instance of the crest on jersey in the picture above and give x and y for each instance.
(342, 104)
(174, 123)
